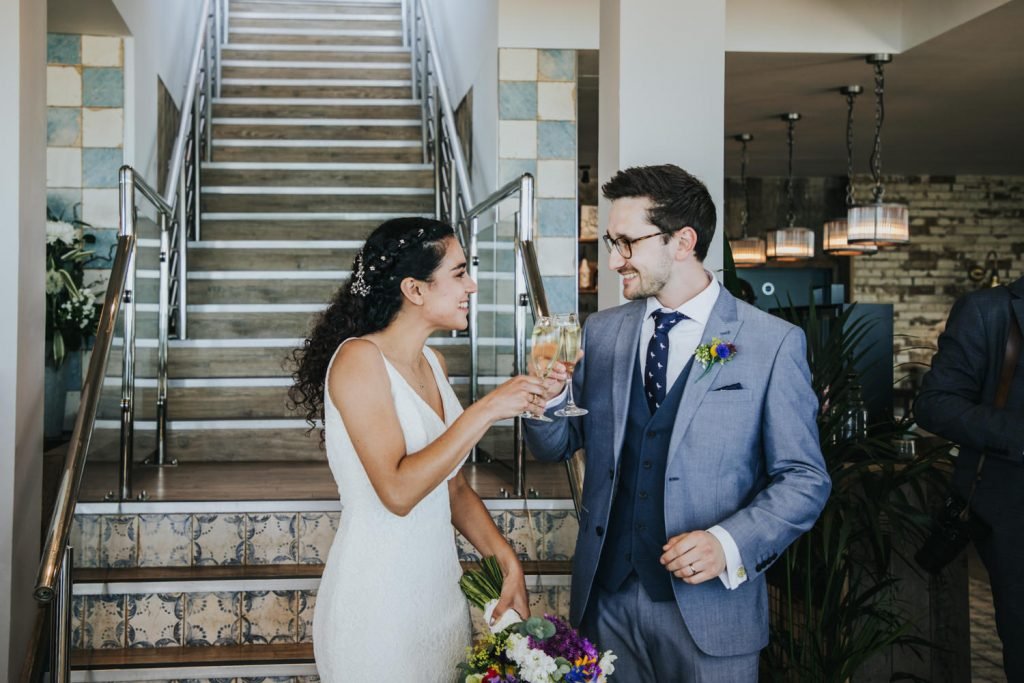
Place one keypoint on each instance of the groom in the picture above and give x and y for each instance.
(698, 476)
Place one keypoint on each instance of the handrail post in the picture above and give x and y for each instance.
(218, 40)
(206, 137)
(519, 359)
(159, 457)
(437, 170)
(197, 154)
(474, 325)
(414, 49)
(182, 254)
(60, 616)
(405, 23)
(126, 179)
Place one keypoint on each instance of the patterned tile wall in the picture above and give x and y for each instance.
(537, 134)
(186, 540)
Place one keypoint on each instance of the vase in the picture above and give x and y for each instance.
(55, 398)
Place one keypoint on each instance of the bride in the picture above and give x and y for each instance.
(389, 604)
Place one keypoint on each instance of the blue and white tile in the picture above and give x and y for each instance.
(85, 539)
(63, 167)
(100, 166)
(316, 534)
(517, 100)
(510, 169)
(561, 293)
(271, 539)
(516, 64)
(467, 553)
(63, 48)
(155, 620)
(305, 608)
(165, 540)
(212, 619)
(102, 87)
(79, 607)
(558, 530)
(101, 51)
(556, 178)
(64, 86)
(556, 65)
(102, 127)
(515, 526)
(63, 126)
(218, 539)
(268, 617)
(556, 101)
(564, 605)
(100, 207)
(556, 217)
(558, 257)
(64, 203)
(556, 140)
(119, 542)
(102, 247)
(104, 622)
(517, 139)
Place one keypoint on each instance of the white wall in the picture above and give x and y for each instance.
(162, 39)
(563, 24)
(22, 274)
(467, 36)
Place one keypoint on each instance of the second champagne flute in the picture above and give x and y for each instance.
(543, 352)
(568, 350)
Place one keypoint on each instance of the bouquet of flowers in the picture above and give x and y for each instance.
(72, 311)
(539, 650)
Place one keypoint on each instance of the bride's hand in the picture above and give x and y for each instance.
(513, 594)
(518, 394)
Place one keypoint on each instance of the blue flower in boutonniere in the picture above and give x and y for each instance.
(718, 351)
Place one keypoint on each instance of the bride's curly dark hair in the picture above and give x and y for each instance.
(367, 302)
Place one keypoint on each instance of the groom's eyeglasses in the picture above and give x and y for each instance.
(624, 245)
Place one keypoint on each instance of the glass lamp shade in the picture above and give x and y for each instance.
(835, 241)
(791, 244)
(878, 224)
(748, 251)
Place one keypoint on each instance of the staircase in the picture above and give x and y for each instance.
(316, 140)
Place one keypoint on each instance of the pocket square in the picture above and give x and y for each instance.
(730, 387)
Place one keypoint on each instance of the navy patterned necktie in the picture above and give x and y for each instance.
(656, 373)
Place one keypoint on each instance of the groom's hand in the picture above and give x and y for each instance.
(694, 557)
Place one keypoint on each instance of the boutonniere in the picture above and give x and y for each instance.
(718, 352)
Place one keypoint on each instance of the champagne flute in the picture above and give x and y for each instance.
(543, 353)
(568, 350)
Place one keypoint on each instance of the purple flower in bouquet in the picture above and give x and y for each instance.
(565, 643)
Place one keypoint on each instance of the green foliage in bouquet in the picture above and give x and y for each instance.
(483, 584)
(72, 311)
(839, 603)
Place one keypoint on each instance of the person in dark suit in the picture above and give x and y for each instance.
(699, 472)
(956, 402)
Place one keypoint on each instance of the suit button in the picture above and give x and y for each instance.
(600, 531)
(643, 495)
(647, 464)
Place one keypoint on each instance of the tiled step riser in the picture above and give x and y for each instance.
(200, 619)
(246, 131)
(323, 22)
(217, 539)
(417, 178)
(366, 73)
(285, 38)
(289, 203)
(382, 155)
(326, 110)
(288, 230)
(374, 92)
(299, 55)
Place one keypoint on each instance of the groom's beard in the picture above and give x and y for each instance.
(647, 283)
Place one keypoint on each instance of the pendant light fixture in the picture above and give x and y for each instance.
(746, 251)
(790, 243)
(879, 223)
(834, 234)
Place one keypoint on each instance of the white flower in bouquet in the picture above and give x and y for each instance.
(606, 665)
(59, 231)
(54, 282)
(535, 666)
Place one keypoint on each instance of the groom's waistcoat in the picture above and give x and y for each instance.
(636, 527)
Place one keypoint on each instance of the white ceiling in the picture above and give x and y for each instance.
(954, 105)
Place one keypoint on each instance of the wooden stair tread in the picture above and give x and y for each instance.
(135, 658)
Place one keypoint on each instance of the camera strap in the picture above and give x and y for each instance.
(1010, 359)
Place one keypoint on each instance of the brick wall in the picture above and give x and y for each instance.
(955, 222)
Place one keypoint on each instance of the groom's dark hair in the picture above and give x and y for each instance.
(679, 200)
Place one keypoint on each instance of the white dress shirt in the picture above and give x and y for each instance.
(683, 340)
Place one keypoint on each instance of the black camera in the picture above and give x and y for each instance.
(952, 529)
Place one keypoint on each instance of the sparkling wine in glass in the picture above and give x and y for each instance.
(543, 353)
(568, 350)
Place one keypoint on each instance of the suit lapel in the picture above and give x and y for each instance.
(1017, 301)
(623, 364)
(723, 324)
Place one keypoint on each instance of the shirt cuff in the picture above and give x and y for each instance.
(734, 573)
(557, 400)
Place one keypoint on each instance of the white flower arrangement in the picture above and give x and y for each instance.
(72, 311)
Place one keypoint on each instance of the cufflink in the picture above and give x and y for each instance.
(741, 573)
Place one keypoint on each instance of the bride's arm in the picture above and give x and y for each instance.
(471, 518)
(360, 389)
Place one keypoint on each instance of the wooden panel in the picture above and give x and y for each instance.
(367, 72)
(288, 230)
(138, 657)
(373, 92)
(261, 291)
(302, 132)
(418, 178)
(329, 111)
(292, 39)
(270, 259)
(316, 55)
(407, 155)
(382, 8)
(325, 202)
(339, 23)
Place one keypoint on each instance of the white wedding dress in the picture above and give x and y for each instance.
(389, 605)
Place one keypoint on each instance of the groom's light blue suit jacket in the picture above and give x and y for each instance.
(743, 457)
